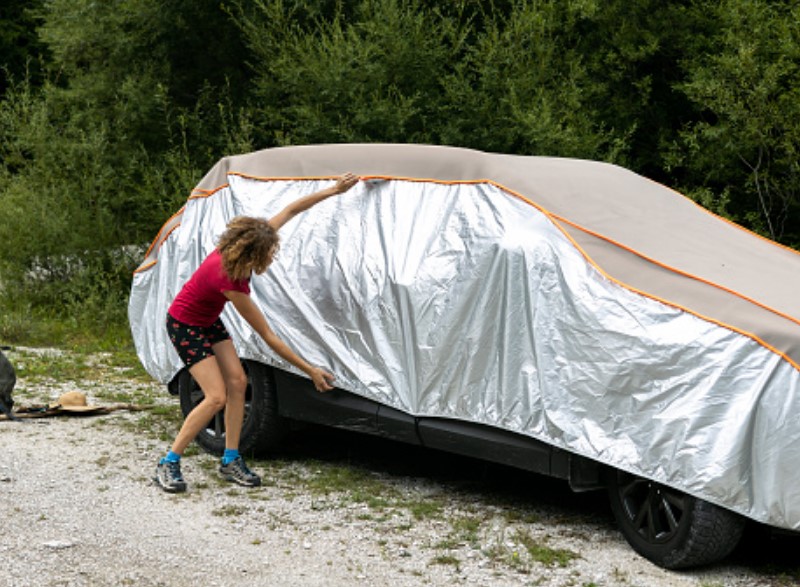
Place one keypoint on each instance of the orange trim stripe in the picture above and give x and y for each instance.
(144, 268)
(206, 193)
(159, 236)
(678, 271)
(731, 222)
(553, 218)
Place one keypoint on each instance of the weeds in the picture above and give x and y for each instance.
(425, 509)
(229, 510)
(37, 366)
(446, 559)
(328, 479)
(540, 552)
(466, 530)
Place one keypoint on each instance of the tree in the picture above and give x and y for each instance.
(410, 71)
(745, 82)
(21, 51)
(100, 153)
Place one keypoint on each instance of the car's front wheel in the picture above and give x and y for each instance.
(263, 429)
(670, 528)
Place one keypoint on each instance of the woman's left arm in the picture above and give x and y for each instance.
(255, 318)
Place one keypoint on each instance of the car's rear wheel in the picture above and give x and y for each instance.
(672, 529)
(263, 428)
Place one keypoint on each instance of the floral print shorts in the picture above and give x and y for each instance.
(194, 343)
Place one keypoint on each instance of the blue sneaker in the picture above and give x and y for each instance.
(238, 472)
(169, 477)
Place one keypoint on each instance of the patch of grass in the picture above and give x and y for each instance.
(619, 575)
(328, 478)
(37, 366)
(350, 483)
(449, 543)
(14, 327)
(194, 450)
(520, 515)
(171, 413)
(541, 553)
(425, 508)
(207, 464)
(229, 510)
(465, 529)
(161, 427)
(375, 502)
(126, 361)
(100, 324)
(446, 559)
(779, 575)
(510, 558)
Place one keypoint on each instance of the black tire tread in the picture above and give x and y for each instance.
(712, 536)
(268, 428)
(707, 534)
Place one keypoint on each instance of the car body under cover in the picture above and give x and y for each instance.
(570, 301)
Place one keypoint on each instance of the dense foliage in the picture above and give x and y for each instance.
(111, 111)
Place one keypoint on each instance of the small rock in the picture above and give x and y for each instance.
(58, 544)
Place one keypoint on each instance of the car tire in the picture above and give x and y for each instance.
(263, 429)
(668, 527)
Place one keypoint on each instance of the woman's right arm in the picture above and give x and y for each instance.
(343, 183)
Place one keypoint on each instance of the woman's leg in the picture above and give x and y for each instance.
(210, 378)
(236, 385)
(233, 467)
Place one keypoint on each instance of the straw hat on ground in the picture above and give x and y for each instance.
(73, 401)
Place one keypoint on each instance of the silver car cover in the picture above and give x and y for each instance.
(464, 300)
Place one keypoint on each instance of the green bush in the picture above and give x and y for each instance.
(120, 107)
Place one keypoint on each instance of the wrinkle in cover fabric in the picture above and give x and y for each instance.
(462, 301)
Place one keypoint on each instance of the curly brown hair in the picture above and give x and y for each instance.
(247, 246)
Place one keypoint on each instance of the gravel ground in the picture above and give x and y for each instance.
(79, 509)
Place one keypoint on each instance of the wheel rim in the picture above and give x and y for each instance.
(654, 511)
(215, 428)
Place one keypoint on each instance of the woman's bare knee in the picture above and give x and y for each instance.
(216, 400)
(237, 384)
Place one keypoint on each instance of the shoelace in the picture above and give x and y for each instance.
(240, 467)
(174, 471)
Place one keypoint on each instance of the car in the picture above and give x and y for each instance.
(563, 316)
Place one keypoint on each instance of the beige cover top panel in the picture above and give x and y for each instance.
(627, 209)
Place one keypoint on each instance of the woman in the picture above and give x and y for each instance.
(247, 246)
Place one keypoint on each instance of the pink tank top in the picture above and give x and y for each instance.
(200, 301)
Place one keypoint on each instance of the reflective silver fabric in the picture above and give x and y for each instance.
(463, 301)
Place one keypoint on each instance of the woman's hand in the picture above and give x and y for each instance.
(345, 182)
(321, 378)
